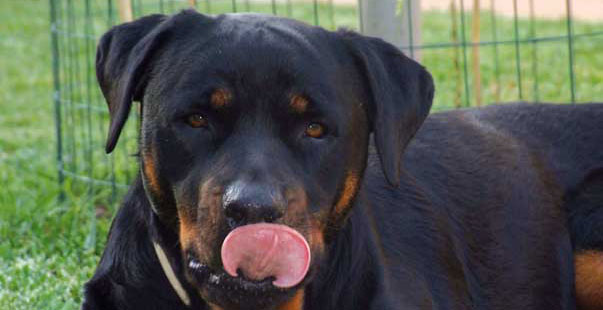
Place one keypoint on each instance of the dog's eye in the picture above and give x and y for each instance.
(197, 121)
(315, 130)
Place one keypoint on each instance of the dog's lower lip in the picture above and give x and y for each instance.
(218, 287)
(216, 278)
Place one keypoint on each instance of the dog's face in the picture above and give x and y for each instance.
(254, 138)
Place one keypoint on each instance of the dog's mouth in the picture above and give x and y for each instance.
(262, 265)
(219, 279)
(242, 293)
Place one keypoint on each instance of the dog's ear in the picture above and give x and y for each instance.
(400, 94)
(121, 67)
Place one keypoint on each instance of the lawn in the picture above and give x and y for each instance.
(48, 248)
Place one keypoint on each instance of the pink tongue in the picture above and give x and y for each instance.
(267, 250)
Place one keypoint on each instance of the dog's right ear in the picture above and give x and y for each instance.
(122, 57)
(400, 96)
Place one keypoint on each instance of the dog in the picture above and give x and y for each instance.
(283, 166)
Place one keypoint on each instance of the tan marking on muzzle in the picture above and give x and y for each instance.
(299, 104)
(299, 216)
(199, 224)
(220, 98)
(150, 172)
(350, 187)
(188, 230)
(589, 279)
(316, 236)
(297, 206)
(295, 303)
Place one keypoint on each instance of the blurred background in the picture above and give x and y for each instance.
(59, 190)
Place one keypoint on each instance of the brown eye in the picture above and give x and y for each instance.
(315, 130)
(197, 121)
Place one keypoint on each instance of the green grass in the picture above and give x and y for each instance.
(42, 264)
(48, 249)
(544, 67)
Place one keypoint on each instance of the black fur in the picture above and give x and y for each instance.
(478, 208)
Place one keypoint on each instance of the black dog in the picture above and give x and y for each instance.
(261, 188)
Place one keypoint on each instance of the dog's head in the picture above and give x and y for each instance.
(254, 138)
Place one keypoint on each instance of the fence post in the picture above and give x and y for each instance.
(570, 47)
(475, 58)
(396, 21)
(125, 11)
(56, 79)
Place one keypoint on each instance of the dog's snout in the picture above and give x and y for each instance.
(248, 203)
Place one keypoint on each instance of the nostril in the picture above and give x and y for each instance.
(249, 203)
(271, 214)
(236, 213)
(269, 218)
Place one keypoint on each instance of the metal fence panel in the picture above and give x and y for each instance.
(520, 58)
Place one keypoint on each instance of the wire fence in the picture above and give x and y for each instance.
(476, 57)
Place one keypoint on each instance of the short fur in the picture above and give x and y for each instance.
(469, 209)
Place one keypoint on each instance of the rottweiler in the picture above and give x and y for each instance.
(287, 167)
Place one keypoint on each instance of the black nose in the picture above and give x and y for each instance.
(248, 203)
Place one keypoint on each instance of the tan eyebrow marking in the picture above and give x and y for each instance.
(299, 104)
(220, 98)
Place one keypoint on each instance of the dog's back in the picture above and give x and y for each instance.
(571, 140)
(568, 136)
(566, 141)
(512, 190)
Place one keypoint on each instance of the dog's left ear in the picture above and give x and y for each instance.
(121, 58)
(400, 93)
